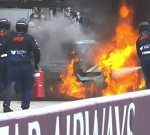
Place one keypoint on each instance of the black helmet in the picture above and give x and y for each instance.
(5, 23)
(34, 16)
(144, 27)
(22, 25)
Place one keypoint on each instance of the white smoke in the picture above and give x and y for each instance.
(56, 36)
(118, 73)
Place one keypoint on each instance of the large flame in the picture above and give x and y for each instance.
(71, 87)
(121, 56)
(69, 84)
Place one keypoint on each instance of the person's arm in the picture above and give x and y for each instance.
(36, 52)
(138, 49)
(3, 47)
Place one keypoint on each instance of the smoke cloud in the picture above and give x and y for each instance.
(56, 38)
(101, 18)
(57, 35)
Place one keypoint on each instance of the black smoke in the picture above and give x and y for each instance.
(141, 11)
(104, 16)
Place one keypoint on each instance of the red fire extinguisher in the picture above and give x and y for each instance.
(39, 84)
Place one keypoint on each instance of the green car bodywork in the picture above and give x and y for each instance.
(98, 79)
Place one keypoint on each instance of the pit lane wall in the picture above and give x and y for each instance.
(127, 114)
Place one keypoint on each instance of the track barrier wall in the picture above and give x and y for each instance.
(125, 114)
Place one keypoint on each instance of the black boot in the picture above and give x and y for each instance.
(24, 108)
(7, 109)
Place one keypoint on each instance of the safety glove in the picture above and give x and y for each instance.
(37, 67)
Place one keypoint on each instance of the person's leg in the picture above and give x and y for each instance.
(26, 99)
(17, 86)
(27, 82)
(7, 99)
(2, 68)
(8, 78)
(145, 64)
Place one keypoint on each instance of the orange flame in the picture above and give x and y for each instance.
(142, 85)
(51, 88)
(121, 56)
(71, 87)
(69, 84)
(124, 11)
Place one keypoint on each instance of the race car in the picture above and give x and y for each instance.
(81, 48)
(93, 75)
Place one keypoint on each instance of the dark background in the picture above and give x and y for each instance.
(142, 11)
(141, 7)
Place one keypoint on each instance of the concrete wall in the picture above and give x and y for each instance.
(126, 114)
(14, 14)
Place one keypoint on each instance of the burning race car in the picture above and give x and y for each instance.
(91, 82)
(84, 77)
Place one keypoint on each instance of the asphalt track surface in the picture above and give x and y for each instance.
(16, 105)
